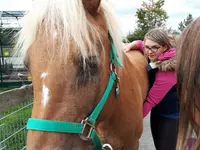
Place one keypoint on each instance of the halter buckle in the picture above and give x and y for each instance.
(87, 130)
(113, 68)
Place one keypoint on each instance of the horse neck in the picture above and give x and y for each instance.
(124, 113)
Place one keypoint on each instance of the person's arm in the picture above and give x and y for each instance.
(163, 83)
(135, 45)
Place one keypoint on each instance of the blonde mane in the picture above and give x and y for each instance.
(68, 18)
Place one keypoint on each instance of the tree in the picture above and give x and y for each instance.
(185, 22)
(150, 15)
(131, 37)
(172, 31)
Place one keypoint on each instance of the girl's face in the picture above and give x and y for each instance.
(153, 49)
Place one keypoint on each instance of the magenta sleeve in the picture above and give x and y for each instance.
(141, 45)
(163, 83)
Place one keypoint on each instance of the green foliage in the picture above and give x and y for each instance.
(150, 15)
(173, 31)
(132, 37)
(185, 22)
(12, 126)
(181, 26)
(6, 88)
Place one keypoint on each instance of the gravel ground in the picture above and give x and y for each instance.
(146, 141)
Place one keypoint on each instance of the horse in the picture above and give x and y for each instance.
(88, 93)
(188, 75)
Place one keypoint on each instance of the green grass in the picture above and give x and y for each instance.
(6, 88)
(13, 123)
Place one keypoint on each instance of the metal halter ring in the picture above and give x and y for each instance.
(112, 68)
(87, 130)
(107, 147)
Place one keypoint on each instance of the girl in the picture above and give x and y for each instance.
(162, 98)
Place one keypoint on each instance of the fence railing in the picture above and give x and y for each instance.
(16, 96)
(13, 124)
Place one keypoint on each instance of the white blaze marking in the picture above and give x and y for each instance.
(45, 95)
(55, 35)
(44, 75)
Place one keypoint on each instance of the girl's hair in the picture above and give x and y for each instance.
(188, 83)
(160, 36)
(173, 38)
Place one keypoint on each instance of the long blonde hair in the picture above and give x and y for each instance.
(68, 19)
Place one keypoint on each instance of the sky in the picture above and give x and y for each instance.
(125, 10)
(177, 11)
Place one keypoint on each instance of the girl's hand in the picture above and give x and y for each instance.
(126, 47)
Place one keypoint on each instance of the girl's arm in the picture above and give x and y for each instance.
(135, 45)
(162, 85)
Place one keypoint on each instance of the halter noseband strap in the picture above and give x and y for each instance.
(86, 129)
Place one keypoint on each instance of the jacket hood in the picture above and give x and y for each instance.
(167, 60)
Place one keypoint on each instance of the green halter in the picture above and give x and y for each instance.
(86, 129)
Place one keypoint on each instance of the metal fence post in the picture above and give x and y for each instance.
(1, 67)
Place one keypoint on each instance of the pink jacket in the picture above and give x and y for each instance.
(164, 81)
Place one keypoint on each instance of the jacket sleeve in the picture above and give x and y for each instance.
(163, 83)
(136, 45)
(141, 45)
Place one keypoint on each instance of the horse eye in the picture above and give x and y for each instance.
(84, 72)
(92, 65)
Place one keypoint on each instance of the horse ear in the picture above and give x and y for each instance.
(91, 6)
